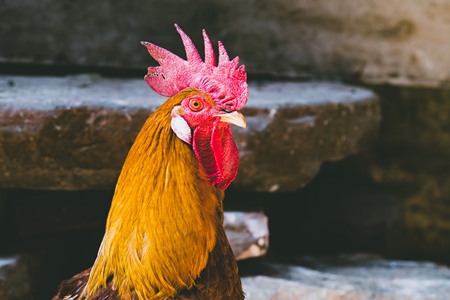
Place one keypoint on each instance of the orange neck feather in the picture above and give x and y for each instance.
(163, 218)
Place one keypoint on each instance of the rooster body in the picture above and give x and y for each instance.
(164, 237)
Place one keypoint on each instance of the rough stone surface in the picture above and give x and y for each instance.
(248, 233)
(412, 160)
(73, 133)
(405, 42)
(17, 277)
(354, 277)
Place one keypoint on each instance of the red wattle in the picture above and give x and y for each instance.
(216, 153)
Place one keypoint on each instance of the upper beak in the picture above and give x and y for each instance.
(234, 117)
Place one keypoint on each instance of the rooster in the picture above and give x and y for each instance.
(164, 237)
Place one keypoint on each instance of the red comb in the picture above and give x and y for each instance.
(226, 82)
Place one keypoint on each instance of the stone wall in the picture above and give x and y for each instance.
(412, 159)
(401, 42)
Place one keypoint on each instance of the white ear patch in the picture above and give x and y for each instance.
(179, 126)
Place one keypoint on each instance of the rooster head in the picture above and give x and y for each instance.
(211, 97)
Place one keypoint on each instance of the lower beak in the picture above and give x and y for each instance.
(234, 117)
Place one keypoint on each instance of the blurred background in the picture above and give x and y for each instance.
(387, 192)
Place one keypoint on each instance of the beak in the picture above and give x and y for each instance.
(234, 117)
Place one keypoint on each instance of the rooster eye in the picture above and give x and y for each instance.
(195, 105)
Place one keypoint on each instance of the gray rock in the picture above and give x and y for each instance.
(248, 233)
(374, 40)
(294, 127)
(17, 277)
(354, 277)
(73, 133)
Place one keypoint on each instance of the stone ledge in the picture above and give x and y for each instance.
(73, 133)
(355, 277)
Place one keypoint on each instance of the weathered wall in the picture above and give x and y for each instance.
(412, 160)
(400, 42)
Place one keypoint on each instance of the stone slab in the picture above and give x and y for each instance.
(405, 42)
(352, 277)
(248, 233)
(73, 133)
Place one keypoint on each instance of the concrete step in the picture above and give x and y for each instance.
(73, 133)
(350, 277)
